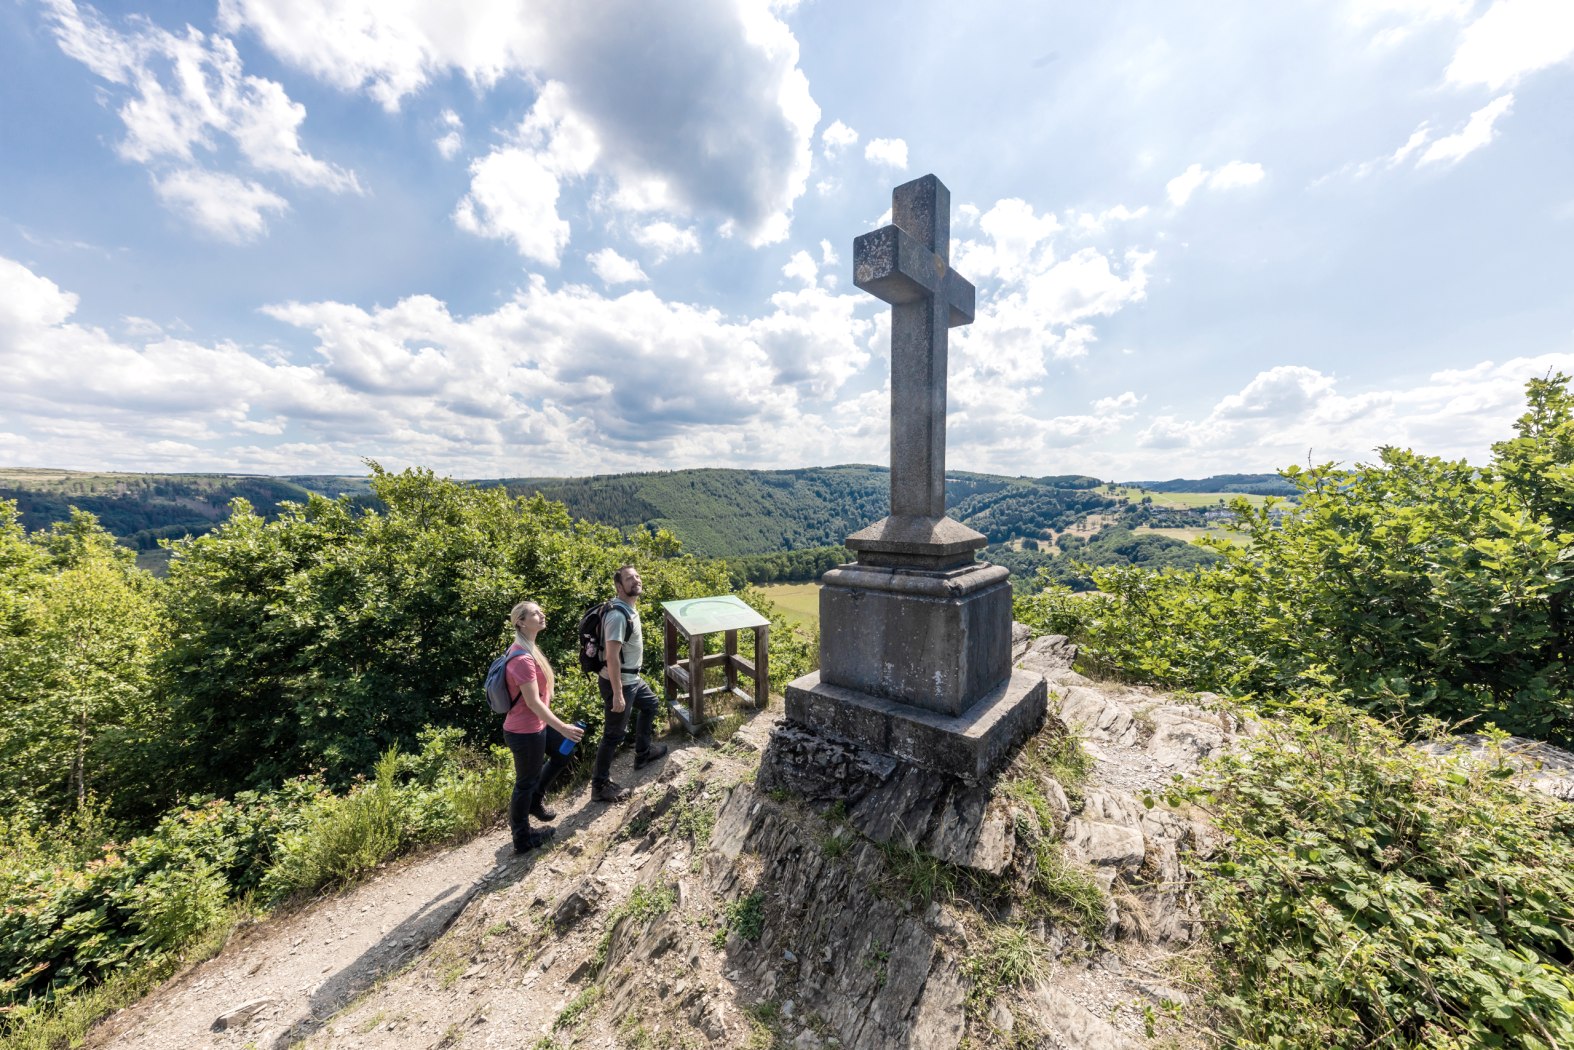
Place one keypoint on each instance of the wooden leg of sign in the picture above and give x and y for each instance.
(697, 679)
(762, 671)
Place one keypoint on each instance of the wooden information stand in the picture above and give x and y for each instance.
(694, 618)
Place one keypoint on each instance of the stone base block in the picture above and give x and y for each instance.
(936, 640)
(971, 745)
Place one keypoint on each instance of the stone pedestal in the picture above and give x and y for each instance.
(917, 665)
(936, 640)
(971, 745)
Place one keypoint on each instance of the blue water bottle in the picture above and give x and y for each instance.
(567, 746)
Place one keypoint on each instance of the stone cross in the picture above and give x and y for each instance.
(907, 265)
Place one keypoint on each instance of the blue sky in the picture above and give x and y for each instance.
(532, 237)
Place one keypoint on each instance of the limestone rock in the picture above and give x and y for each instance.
(577, 903)
(1182, 738)
(1048, 655)
(242, 1015)
(1097, 716)
(1109, 848)
(1076, 1026)
(1021, 638)
(1541, 766)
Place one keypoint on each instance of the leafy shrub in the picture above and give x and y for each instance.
(77, 908)
(1367, 894)
(1416, 586)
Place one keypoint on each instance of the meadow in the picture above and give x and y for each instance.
(799, 603)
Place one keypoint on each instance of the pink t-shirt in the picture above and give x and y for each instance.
(521, 670)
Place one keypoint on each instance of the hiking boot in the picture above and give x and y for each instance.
(655, 752)
(534, 840)
(541, 813)
(607, 791)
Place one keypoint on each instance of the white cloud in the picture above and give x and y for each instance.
(890, 153)
(613, 269)
(1477, 132)
(729, 139)
(837, 137)
(452, 140)
(1119, 404)
(1095, 223)
(1292, 413)
(667, 239)
(224, 206)
(1416, 140)
(1512, 40)
(1232, 175)
(1236, 173)
(1279, 392)
(514, 189)
(414, 383)
(181, 93)
(514, 197)
(1181, 187)
(801, 267)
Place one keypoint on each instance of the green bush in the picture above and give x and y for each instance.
(1415, 587)
(1366, 894)
(78, 908)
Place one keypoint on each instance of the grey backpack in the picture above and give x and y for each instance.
(498, 697)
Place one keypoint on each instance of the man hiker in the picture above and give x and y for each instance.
(623, 691)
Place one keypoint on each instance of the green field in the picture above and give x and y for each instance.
(799, 602)
(1187, 499)
(1189, 535)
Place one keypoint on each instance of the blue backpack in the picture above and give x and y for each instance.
(498, 697)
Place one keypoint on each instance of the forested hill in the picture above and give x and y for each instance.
(1244, 484)
(141, 509)
(725, 513)
(718, 513)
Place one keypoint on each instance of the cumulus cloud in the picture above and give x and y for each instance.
(667, 240)
(514, 189)
(182, 94)
(1478, 131)
(680, 131)
(613, 269)
(556, 371)
(1287, 413)
(1513, 39)
(801, 267)
(224, 206)
(890, 153)
(452, 140)
(1232, 175)
(1121, 403)
(837, 137)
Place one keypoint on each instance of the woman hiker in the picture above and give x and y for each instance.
(530, 678)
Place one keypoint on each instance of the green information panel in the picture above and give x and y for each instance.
(724, 612)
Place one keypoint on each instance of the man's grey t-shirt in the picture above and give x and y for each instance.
(622, 624)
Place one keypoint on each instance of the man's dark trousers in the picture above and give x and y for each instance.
(639, 700)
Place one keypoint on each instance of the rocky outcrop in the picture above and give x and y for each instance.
(1539, 766)
(784, 889)
(877, 970)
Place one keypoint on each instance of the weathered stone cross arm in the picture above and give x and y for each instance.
(897, 267)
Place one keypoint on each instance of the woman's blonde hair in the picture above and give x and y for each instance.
(515, 615)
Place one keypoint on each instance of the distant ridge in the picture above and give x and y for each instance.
(1244, 484)
(717, 512)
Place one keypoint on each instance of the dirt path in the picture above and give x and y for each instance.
(279, 980)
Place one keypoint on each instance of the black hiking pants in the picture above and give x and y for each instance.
(640, 703)
(534, 772)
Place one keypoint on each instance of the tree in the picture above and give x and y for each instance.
(85, 625)
(321, 639)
